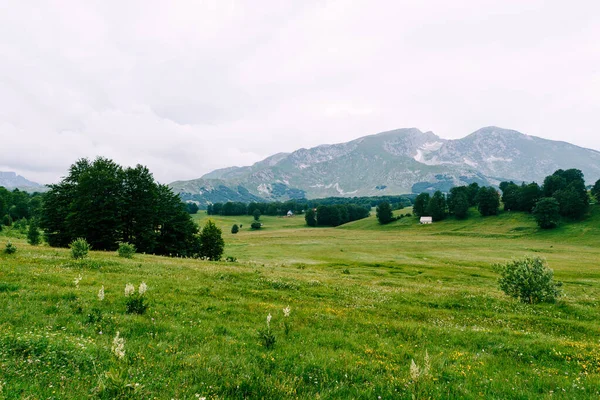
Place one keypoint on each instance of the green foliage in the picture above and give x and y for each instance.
(385, 215)
(255, 225)
(135, 304)
(596, 190)
(547, 213)
(79, 248)
(33, 233)
(211, 241)
(339, 214)
(192, 208)
(126, 250)
(7, 220)
(528, 195)
(310, 217)
(421, 203)
(235, 229)
(256, 214)
(10, 248)
(106, 204)
(458, 202)
(437, 207)
(488, 201)
(529, 280)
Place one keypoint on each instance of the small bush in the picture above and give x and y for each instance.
(235, 229)
(79, 248)
(529, 280)
(346, 271)
(135, 304)
(230, 259)
(126, 250)
(256, 225)
(10, 248)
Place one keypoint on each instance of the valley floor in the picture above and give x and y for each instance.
(366, 301)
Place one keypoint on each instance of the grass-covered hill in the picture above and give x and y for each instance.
(366, 300)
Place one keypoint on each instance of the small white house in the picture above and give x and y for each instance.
(290, 213)
(426, 220)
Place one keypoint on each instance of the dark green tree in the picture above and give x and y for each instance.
(33, 233)
(510, 196)
(547, 213)
(235, 229)
(473, 191)
(256, 214)
(385, 214)
(192, 208)
(488, 201)
(437, 207)
(421, 203)
(572, 204)
(458, 202)
(211, 241)
(596, 190)
(528, 196)
(310, 217)
(553, 183)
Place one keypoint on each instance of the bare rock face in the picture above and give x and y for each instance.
(395, 162)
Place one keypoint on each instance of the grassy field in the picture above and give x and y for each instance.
(365, 302)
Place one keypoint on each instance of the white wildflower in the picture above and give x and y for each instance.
(129, 290)
(269, 320)
(286, 311)
(143, 288)
(427, 366)
(118, 346)
(77, 280)
(414, 371)
(101, 293)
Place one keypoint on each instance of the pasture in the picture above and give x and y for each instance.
(366, 301)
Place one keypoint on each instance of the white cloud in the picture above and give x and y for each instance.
(187, 87)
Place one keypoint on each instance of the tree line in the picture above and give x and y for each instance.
(299, 206)
(18, 206)
(335, 215)
(563, 194)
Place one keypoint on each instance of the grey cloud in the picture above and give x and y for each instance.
(187, 87)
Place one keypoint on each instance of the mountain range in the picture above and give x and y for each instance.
(401, 161)
(10, 180)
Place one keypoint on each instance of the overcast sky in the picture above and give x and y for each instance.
(187, 87)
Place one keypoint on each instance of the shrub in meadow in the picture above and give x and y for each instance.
(135, 302)
(255, 225)
(33, 233)
(10, 248)
(529, 280)
(79, 248)
(126, 250)
(235, 229)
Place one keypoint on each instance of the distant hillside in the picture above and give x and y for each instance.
(11, 180)
(394, 162)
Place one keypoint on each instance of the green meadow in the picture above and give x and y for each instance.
(366, 301)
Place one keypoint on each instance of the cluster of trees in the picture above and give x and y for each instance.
(335, 215)
(298, 206)
(385, 212)
(563, 194)
(106, 204)
(458, 202)
(18, 205)
(273, 208)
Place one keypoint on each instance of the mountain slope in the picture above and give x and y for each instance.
(11, 180)
(394, 162)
